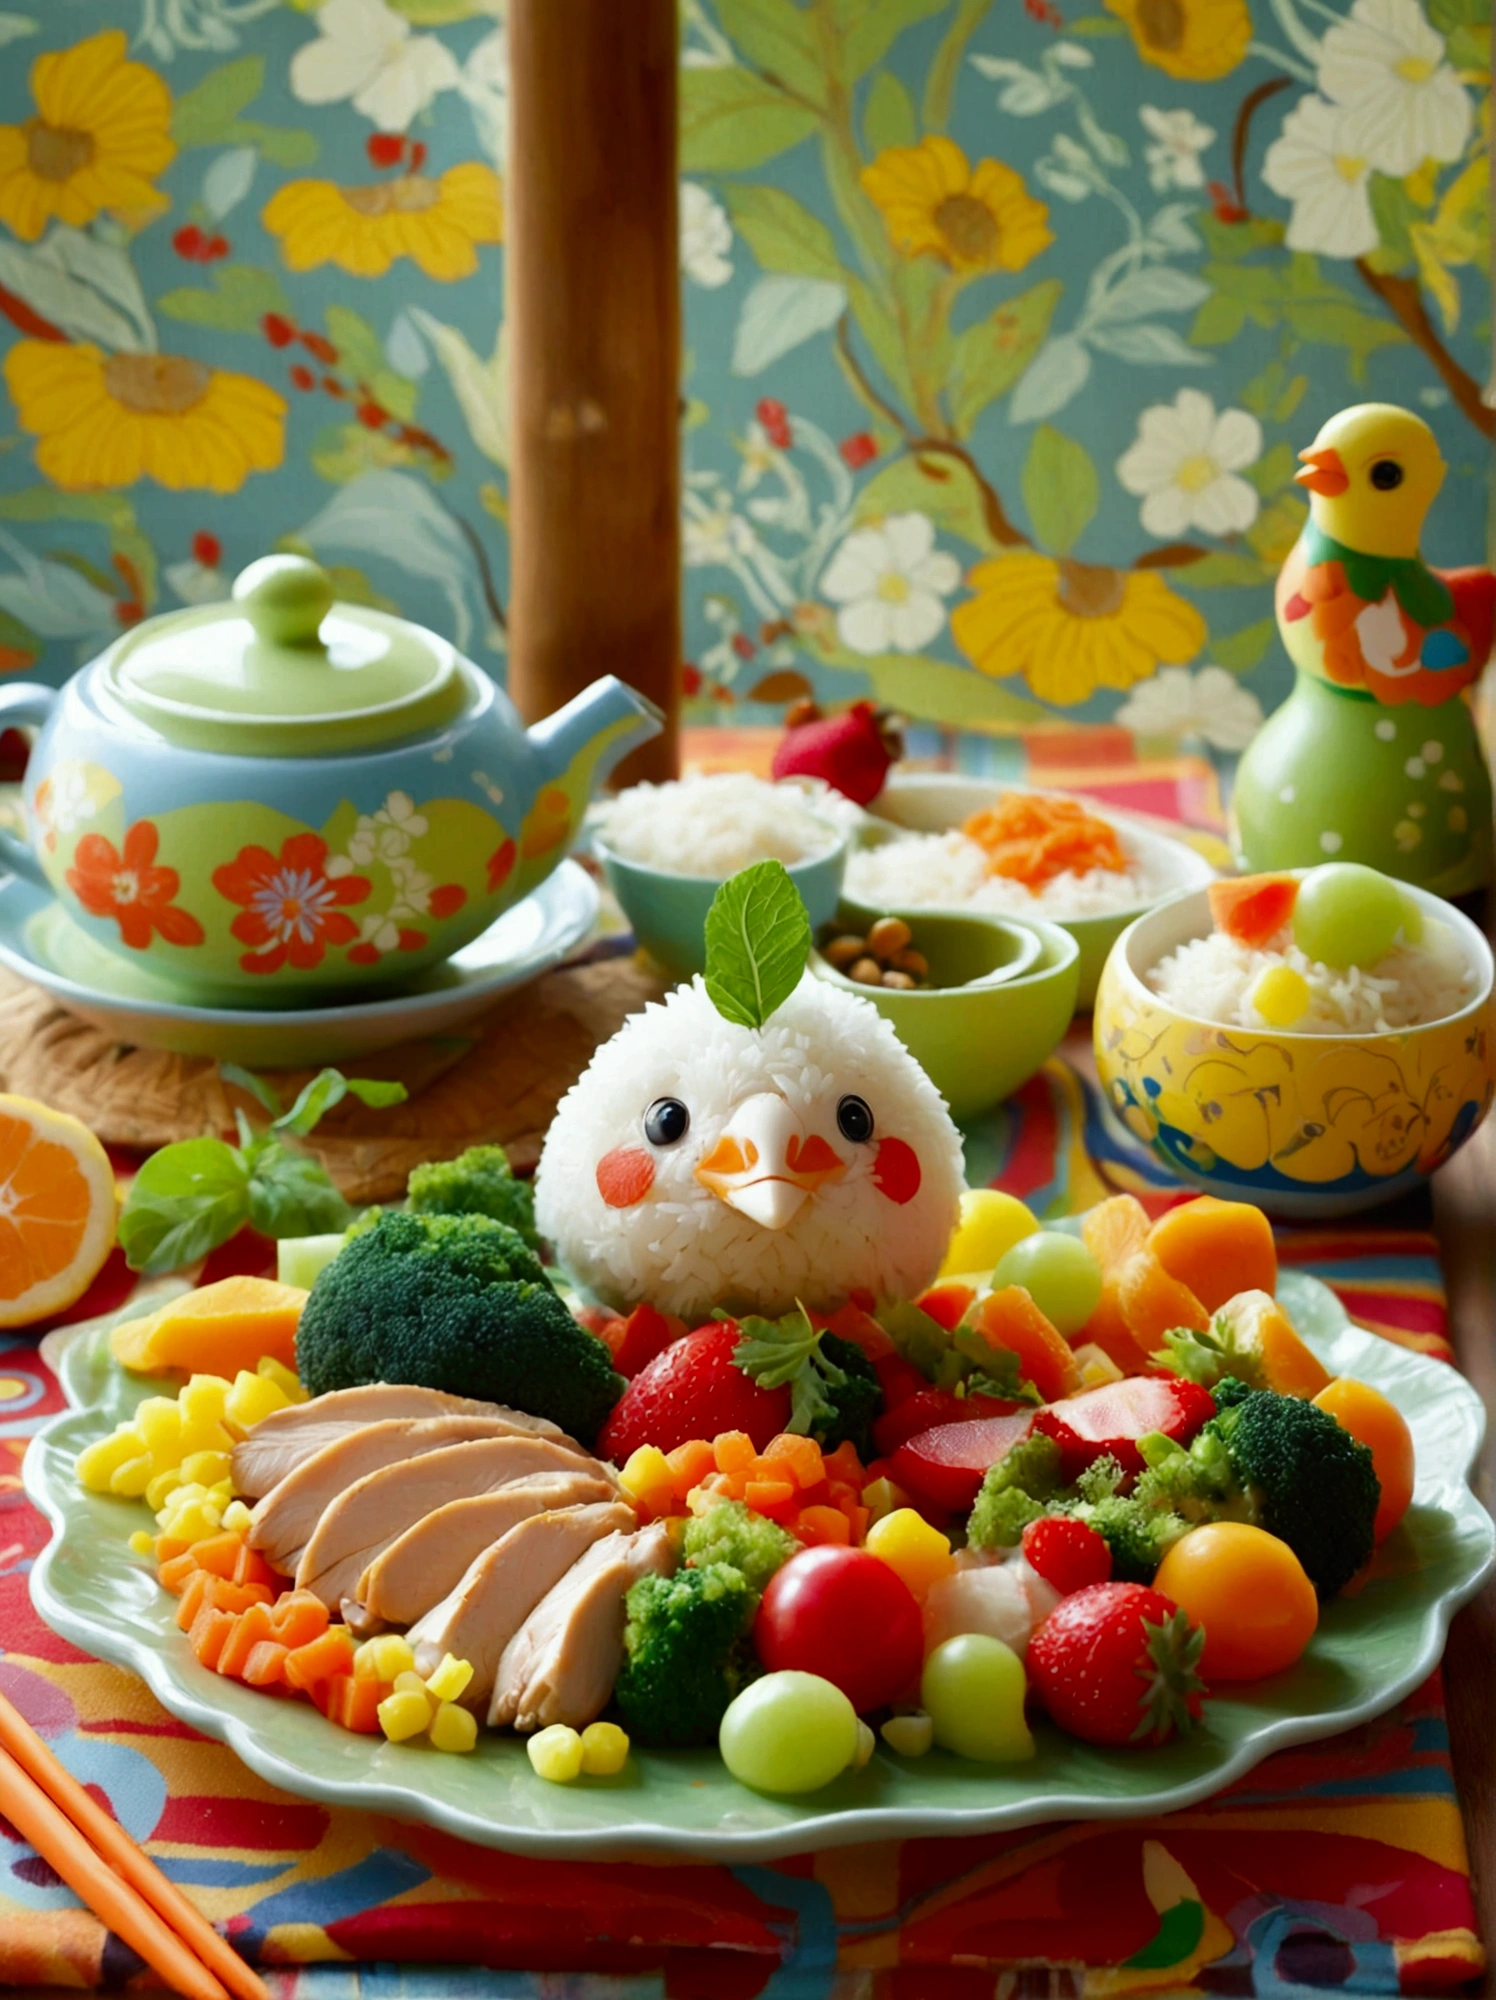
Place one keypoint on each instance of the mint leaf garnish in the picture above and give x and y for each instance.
(787, 1352)
(757, 942)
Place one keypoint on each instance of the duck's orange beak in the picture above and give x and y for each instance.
(1323, 471)
(764, 1165)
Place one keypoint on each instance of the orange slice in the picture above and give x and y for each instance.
(57, 1209)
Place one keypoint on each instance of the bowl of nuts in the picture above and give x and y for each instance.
(981, 1002)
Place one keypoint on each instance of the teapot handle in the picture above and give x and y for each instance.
(30, 703)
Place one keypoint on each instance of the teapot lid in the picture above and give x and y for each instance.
(283, 671)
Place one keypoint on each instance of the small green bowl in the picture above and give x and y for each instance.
(667, 912)
(981, 1033)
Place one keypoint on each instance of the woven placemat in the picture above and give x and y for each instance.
(499, 1082)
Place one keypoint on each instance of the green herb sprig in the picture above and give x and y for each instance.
(757, 943)
(191, 1196)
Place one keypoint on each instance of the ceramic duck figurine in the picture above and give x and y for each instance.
(1374, 757)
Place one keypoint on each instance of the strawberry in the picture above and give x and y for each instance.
(1107, 1422)
(693, 1390)
(1067, 1553)
(1117, 1663)
(927, 1409)
(851, 751)
(637, 1340)
(945, 1466)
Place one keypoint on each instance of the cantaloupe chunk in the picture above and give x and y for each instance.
(1217, 1248)
(216, 1330)
(1252, 908)
(1153, 1303)
(1010, 1319)
(1114, 1231)
(1260, 1325)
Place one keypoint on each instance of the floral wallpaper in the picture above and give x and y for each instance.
(1004, 323)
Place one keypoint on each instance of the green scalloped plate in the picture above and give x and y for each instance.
(1370, 1650)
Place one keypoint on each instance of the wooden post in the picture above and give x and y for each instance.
(594, 329)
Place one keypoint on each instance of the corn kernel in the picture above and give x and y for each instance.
(409, 1682)
(605, 1749)
(221, 1492)
(556, 1754)
(142, 1543)
(131, 1479)
(252, 1399)
(867, 1743)
(162, 1487)
(391, 1656)
(204, 1434)
(1281, 996)
(450, 1678)
(194, 1521)
(207, 1466)
(913, 1550)
(203, 1398)
(237, 1518)
(404, 1715)
(453, 1728)
(159, 1422)
(99, 1462)
(909, 1735)
(283, 1377)
(365, 1666)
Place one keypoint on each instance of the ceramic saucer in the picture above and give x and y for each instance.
(41, 945)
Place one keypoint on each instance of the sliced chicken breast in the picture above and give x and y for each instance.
(502, 1587)
(420, 1567)
(561, 1664)
(286, 1518)
(362, 1521)
(283, 1441)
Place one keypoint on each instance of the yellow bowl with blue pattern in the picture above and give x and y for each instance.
(1307, 1126)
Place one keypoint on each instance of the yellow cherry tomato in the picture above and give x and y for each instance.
(1379, 1425)
(1250, 1593)
(990, 1223)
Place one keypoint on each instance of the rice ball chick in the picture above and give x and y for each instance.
(697, 1163)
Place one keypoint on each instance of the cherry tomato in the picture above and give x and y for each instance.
(1250, 1593)
(842, 1614)
(1383, 1429)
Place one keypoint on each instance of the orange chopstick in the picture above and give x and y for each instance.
(113, 1902)
(216, 1961)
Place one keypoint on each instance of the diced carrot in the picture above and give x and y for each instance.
(799, 1458)
(253, 1568)
(1252, 908)
(168, 1546)
(354, 1704)
(946, 1304)
(330, 1654)
(1217, 1248)
(1152, 1303)
(176, 1574)
(815, 1525)
(840, 1494)
(266, 1665)
(767, 1495)
(209, 1634)
(689, 1464)
(249, 1629)
(733, 1451)
(857, 1521)
(1011, 1320)
(843, 1463)
(297, 1617)
(219, 1554)
(320, 1693)
(199, 1589)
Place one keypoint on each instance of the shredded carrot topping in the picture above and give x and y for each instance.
(1030, 837)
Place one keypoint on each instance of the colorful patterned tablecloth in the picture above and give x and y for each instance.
(1335, 1865)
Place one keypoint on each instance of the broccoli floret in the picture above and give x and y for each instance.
(1016, 1490)
(1281, 1463)
(686, 1653)
(1212, 1356)
(856, 1401)
(454, 1302)
(835, 1394)
(732, 1533)
(478, 1182)
(1230, 1391)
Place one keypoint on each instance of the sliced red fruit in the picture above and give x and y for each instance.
(1068, 1554)
(1252, 908)
(928, 1408)
(1107, 1422)
(946, 1304)
(945, 1466)
(639, 1338)
(898, 1379)
(693, 1390)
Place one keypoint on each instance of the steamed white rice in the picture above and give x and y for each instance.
(713, 826)
(1214, 978)
(929, 871)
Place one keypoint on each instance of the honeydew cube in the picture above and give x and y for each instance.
(404, 1715)
(300, 1259)
(130, 1479)
(453, 1729)
(98, 1462)
(450, 1678)
(1096, 1365)
(277, 1372)
(252, 1399)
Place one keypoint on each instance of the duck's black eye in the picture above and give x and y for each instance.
(666, 1122)
(1386, 475)
(854, 1120)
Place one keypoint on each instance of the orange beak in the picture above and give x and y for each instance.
(1323, 471)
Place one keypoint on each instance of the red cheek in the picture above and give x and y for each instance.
(896, 1171)
(625, 1176)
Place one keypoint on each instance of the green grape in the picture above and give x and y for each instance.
(972, 1691)
(1059, 1274)
(1412, 920)
(1347, 915)
(991, 1223)
(788, 1732)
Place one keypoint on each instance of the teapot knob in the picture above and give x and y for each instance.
(286, 599)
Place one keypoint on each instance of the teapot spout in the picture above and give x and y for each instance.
(581, 743)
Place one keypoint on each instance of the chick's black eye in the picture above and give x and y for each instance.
(854, 1120)
(1386, 475)
(666, 1122)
